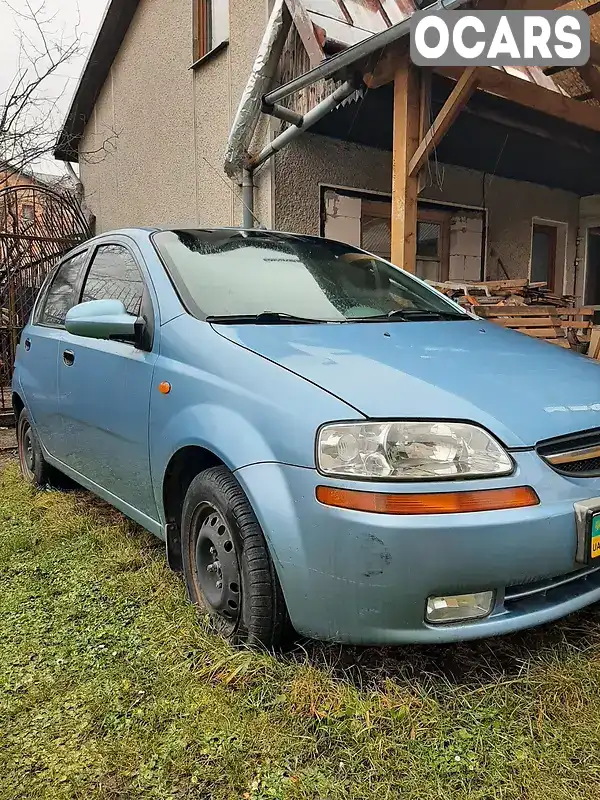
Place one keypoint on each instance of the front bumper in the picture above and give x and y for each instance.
(364, 578)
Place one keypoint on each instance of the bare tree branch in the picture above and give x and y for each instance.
(30, 105)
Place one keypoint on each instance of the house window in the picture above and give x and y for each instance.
(27, 212)
(211, 25)
(543, 255)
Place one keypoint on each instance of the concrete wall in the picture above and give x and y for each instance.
(512, 205)
(153, 151)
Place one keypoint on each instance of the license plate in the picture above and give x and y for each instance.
(595, 537)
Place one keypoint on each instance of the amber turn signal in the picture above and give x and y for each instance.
(164, 387)
(431, 503)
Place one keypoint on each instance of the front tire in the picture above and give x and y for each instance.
(227, 567)
(34, 467)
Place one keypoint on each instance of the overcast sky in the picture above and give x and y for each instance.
(68, 16)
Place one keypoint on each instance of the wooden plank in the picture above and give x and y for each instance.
(594, 349)
(515, 311)
(591, 76)
(560, 343)
(543, 333)
(529, 94)
(515, 283)
(457, 99)
(575, 324)
(533, 322)
(404, 185)
(579, 312)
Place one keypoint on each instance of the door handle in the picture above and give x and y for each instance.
(28, 344)
(69, 358)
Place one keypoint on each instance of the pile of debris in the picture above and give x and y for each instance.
(529, 308)
(515, 292)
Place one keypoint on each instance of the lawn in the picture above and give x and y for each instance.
(111, 688)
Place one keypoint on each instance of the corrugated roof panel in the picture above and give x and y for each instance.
(328, 8)
(366, 14)
(340, 32)
(397, 10)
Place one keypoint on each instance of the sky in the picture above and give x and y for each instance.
(79, 18)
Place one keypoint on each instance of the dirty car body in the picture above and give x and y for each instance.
(418, 474)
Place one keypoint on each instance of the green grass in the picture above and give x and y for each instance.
(111, 688)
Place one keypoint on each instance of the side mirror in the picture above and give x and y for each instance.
(102, 319)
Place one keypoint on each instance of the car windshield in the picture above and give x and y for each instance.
(259, 276)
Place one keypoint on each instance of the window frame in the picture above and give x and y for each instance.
(146, 305)
(40, 303)
(441, 218)
(203, 45)
(548, 228)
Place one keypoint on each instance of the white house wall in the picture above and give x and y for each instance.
(313, 161)
(167, 125)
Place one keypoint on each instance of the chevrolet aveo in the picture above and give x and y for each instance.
(320, 438)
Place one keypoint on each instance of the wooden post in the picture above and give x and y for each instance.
(404, 185)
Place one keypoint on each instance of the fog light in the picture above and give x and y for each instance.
(459, 607)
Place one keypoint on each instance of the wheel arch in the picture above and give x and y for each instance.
(182, 468)
(18, 405)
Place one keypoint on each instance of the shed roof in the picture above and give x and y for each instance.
(339, 24)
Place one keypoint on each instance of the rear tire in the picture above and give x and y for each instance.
(226, 563)
(34, 467)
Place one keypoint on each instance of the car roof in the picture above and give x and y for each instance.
(147, 231)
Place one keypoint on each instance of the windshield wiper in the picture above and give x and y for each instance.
(264, 318)
(408, 314)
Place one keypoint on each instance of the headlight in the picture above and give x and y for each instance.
(409, 451)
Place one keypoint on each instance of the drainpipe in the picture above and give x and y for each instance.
(248, 198)
(303, 123)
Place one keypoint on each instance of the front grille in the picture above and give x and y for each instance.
(577, 454)
(552, 591)
(583, 467)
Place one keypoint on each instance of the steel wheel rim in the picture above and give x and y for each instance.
(26, 451)
(216, 571)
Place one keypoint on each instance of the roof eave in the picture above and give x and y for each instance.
(110, 36)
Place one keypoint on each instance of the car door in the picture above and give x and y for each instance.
(37, 356)
(104, 386)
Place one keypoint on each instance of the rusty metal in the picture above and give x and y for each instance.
(38, 225)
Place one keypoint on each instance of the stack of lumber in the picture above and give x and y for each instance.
(566, 327)
(529, 308)
(506, 292)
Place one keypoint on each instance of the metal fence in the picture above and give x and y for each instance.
(38, 225)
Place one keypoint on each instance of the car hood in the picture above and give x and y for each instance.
(521, 389)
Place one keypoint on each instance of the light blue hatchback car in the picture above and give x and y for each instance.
(320, 438)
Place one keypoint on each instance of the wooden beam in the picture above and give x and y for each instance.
(594, 52)
(591, 76)
(385, 67)
(458, 98)
(404, 185)
(529, 94)
(592, 8)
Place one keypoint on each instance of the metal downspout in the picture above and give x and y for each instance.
(308, 120)
(248, 198)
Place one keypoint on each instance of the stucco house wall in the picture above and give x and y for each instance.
(512, 206)
(153, 150)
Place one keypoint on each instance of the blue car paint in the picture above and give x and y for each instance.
(513, 385)
(255, 397)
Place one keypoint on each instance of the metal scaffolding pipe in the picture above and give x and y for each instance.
(283, 113)
(348, 57)
(308, 120)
